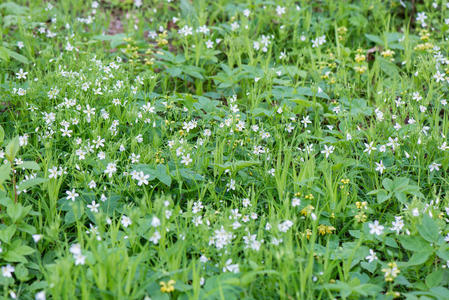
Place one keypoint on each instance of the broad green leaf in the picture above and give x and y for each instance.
(6, 233)
(18, 57)
(374, 38)
(12, 148)
(30, 183)
(429, 229)
(163, 175)
(2, 134)
(29, 165)
(418, 258)
(414, 243)
(434, 279)
(5, 172)
(17, 212)
(12, 256)
(21, 272)
(388, 67)
(190, 175)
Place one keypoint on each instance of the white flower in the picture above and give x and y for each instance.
(111, 168)
(375, 228)
(209, 44)
(155, 222)
(398, 224)
(251, 242)
(280, 10)
(79, 259)
(372, 256)
(71, 195)
(296, 202)
(306, 120)
(37, 237)
(229, 267)
(284, 226)
(186, 160)
(438, 76)
(369, 147)
(40, 295)
(21, 74)
(93, 206)
(221, 238)
(328, 150)
(380, 167)
(75, 249)
(126, 221)
(155, 237)
(7, 270)
(434, 167)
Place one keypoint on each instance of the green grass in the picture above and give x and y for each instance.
(224, 149)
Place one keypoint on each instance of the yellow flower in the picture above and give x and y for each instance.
(309, 196)
(307, 210)
(360, 58)
(167, 287)
(329, 229)
(308, 233)
(391, 272)
(360, 217)
(322, 229)
(387, 53)
(360, 69)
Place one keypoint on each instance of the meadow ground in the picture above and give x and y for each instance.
(224, 149)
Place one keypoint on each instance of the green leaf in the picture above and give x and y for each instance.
(4, 54)
(17, 212)
(24, 250)
(5, 172)
(383, 196)
(2, 134)
(388, 67)
(435, 278)
(17, 56)
(418, 258)
(21, 272)
(12, 148)
(414, 243)
(374, 38)
(29, 165)
(187, 9)
(30, 183)
(6, 233)
(190, 175)
(371, 267)
(12, 256)
(306, 103)
(429, 229)
(163, 175)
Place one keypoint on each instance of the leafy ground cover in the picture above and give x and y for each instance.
(224, 149)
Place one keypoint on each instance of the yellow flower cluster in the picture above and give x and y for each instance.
(307, 210)
(387, 53)
(360, 58)
(167, 287)
(361, 216)
(342, 33)
(159, 160)
(424, 35)
(391, 272)
(423, 46)
(309, 197)
(344, 183)
(323, 229)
